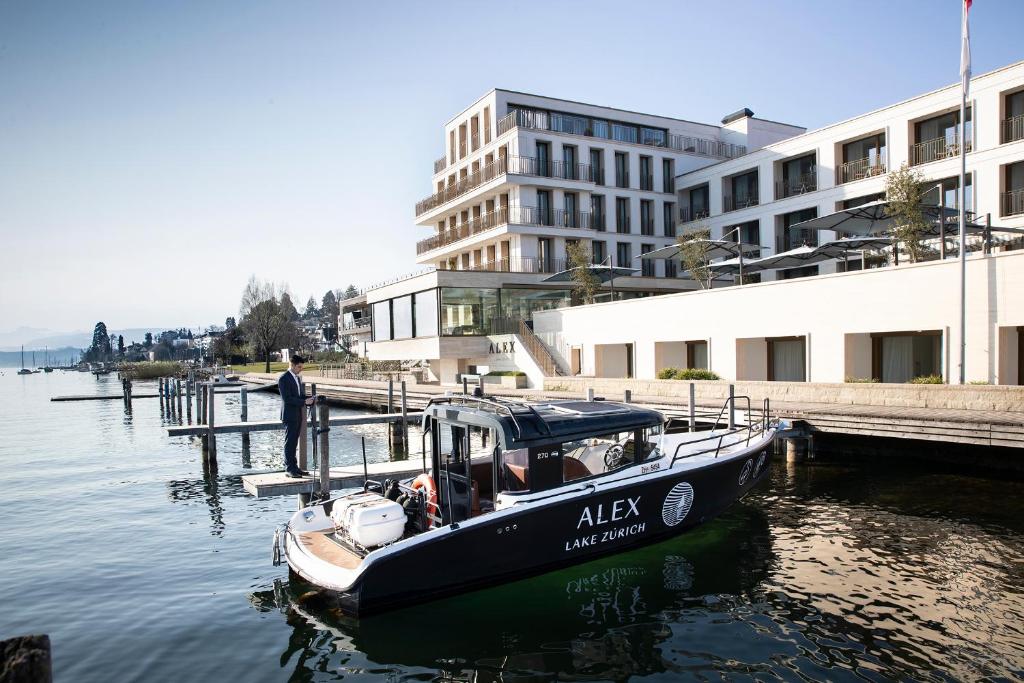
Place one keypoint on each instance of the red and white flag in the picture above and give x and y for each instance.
(965, 50)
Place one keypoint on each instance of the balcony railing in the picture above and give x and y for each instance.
(622, 179)
(515, 165)
(361, 324)
(730, 203)
(647, 226)
(440, 164)
(646, 182)
(518, 215)
(519, 264)
(475, 141)
(463, 149)
(1012, 203)
(858, 169)
(668, 185)
(686, 214)
(622, 225)
(792, 187)
(934, 150)
(1013, 129)
(538, 120)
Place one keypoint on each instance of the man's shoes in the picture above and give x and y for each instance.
(296, 474)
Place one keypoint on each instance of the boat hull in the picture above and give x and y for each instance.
(569, 529)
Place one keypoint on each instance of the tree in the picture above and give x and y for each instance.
(120, 346)
(100, 349)
(287, 307)
(329, 308)
(584, 283)
(148, 340)
(310, 313)
(904, 191)
(693, 255)
(350, 292)
(262, 318)
(229, 323)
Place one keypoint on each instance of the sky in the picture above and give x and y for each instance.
(154, 155)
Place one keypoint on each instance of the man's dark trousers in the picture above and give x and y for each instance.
(293, 400)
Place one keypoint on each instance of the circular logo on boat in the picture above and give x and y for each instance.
(677, 504)
(745, 474)
(760, 465)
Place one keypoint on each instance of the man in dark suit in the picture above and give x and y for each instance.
(293, 409)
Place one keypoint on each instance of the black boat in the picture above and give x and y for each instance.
(564, 482)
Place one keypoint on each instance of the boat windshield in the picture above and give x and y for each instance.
(539, 469)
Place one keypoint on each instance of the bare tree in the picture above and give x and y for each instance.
(262, 319)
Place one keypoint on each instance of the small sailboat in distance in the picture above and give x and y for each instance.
(24, 370)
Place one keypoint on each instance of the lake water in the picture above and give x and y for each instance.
(141, 568)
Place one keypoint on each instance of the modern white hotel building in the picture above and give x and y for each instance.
(522, 174)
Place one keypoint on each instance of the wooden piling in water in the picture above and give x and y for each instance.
(160, 391)
(405, 419)
(324, 433)
(693, 407)
(303, 455)
(211, 436)
(243, 398)
(177, 394)
(188, 397)
(391, 409)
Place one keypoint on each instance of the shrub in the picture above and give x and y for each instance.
(928, 379)
(667, 373)
(978, 381)
(862, 380)
(695, 373)
(506, 373)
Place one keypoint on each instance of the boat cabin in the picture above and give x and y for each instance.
(528, 448)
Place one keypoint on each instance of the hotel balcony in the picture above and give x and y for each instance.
(1013, 129)
(514, 165)
(519, 264)
(647, 182)
(597, 128)
(687, 215)
(858, 169)
(791, 187)
(1011, 203)
(519, 215)
(730, 203)
(936, 150)
(440, 164)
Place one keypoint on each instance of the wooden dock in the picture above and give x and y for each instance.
(350, 476)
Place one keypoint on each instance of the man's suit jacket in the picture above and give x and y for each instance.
(292, 400)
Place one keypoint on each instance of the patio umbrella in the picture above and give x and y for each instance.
(715, 249)
(605, 274)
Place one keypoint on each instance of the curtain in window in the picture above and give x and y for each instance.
(897, 359)
(700, 356)
(788, 360)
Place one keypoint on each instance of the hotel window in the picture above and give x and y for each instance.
(545, 255)
(624, 133)
(699, 204)
(791, 237)
(646, 173)
(799, 175)
(467, 310)
(543, 207)
(668, 176)
(646, 217)
(898, 357)
(623, 255)
(1012, 203)
(653, 136)
(671, 267)
(862, 159)
(622, 215)
(598, 252)
(570, 218)
(1013, 123)
(742, 191)
(487, 125)
(621, 169)
(668, 219)
(950, 193)
(597, 212)
(787, 359)
(401, 317)
(381, 320)
(646, 264)
(544, 159)
(697, 355)
(936, 138)
(570, 168)
(597, 165)
(748, 233)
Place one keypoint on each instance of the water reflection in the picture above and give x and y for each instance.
(603, 619)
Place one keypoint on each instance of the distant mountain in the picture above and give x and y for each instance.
(23, 335)
(78, 339)
(12, 359)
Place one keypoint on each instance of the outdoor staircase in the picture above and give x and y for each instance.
(540, 353)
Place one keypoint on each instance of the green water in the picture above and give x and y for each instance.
(142, 568)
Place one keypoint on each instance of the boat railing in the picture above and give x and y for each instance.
(496, 405)
(720, 436)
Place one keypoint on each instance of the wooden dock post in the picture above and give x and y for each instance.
(177, 394)
(693, 407)
(188, 398)
(243, 397)
(391, 409)
(211, 437)
(627, 396)
(201, 404)
(590, 394)
(465, 386)
(732, 406)
(796, 449)
(405, 419)
(324, 433)
(160, 391)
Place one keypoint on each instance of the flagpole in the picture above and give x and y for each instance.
(965, 75)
